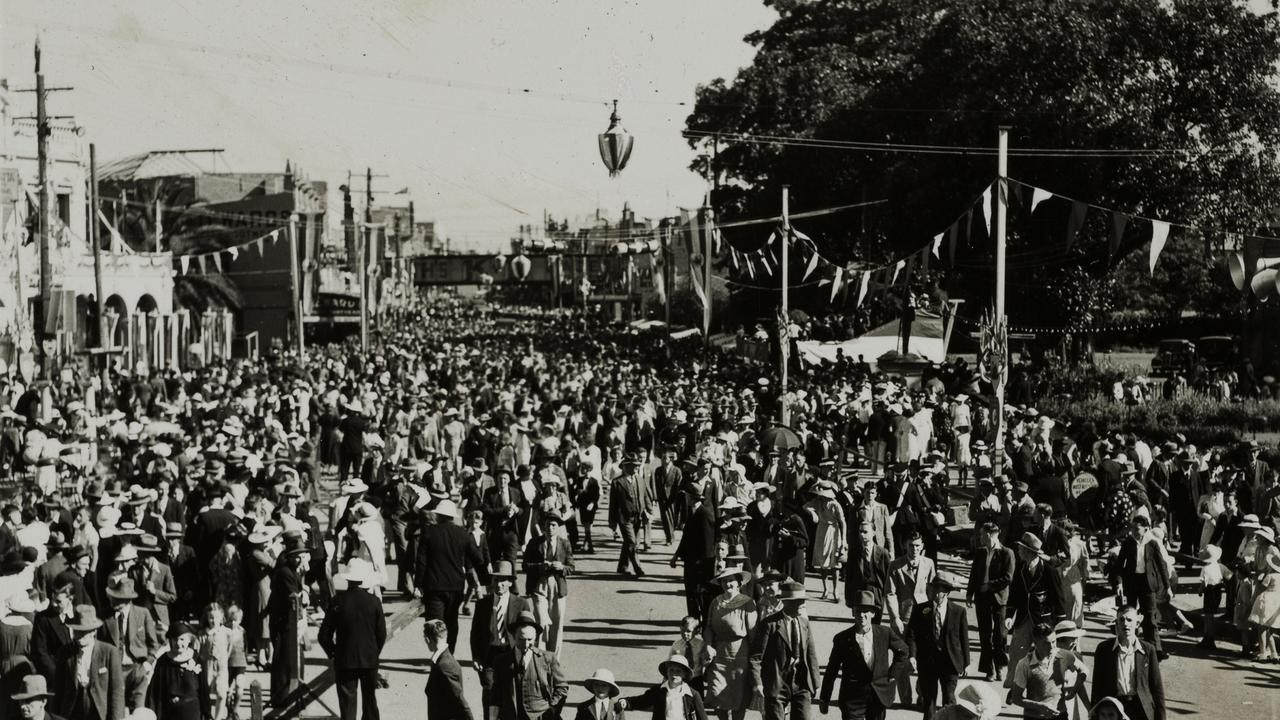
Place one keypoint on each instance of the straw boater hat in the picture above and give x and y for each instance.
(600, 677)
(353, 486)
(446, 508)
(1068, 628)
(503, 570)
(173, 530)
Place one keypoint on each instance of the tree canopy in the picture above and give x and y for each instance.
(1187, 86)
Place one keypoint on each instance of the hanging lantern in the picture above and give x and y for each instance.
(637, 246)
(520, 267)
(499, 263)
(619, 248)
(615, 144)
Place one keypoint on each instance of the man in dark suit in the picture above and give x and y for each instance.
(204, 535)
(31, 699)
(1127, 669)
(697, 550)
(500, 505)
(49, 632)
(784, 663)
(494, 613)
(1185, 488)
(867, 569)
(939, 632)
(352, 634)
(586, 498)
(446, 699)
(527, 681)
(182, 563)
(862, 655)
(446, 556)
(131, 629)
(1139, 572)
(990, 576)
(628, 502)
(667, 484)
(548, 560)
(89, 681)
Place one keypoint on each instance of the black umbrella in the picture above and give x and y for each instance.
(779, 437)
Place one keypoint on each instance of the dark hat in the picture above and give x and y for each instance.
(56, 541)
(866, 599)
(122, 589)
(942, 581)
(524, 619)
(72, 553)
(181, 628)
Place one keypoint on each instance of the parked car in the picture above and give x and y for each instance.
(1175, 355)
(1216, 352)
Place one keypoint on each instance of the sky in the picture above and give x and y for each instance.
(487, 110)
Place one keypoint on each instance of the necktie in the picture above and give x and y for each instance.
(797, 641)
(937, 624)
(986, 567)
(602, 710)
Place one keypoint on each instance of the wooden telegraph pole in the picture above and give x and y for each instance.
(784, 342)
(999, 332)
(103, 341)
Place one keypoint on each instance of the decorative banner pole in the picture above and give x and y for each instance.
(784, 322)
(999, 322)
(294, 295)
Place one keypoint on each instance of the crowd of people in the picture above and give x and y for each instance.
(169, 531)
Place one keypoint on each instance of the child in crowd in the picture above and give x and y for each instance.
(237, 659)
(692, 647)
(601, 705)
(475, 528)
(1213, 577)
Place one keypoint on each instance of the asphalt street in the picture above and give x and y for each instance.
(627, 625)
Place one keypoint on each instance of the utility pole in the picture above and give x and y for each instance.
(999, 337)
(784, 342)
(666, 283)
(42, 223)
(295, 298)
(103, 341)
(364, 253)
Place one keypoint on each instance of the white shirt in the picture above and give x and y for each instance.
(1126, 666)
(675, 700)
(866, 645)
(83, 664)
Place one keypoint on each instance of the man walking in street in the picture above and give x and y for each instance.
(352, 634)
(939, 632)
(866, 658)
(527, 682)
(628, 502)
(1127, 669)
(667, 484)
(784, 663)
(446, 699)
(548, 560)
(697, 550)
(989, 579)
(446, 556)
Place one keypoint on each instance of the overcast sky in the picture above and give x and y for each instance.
(429, 92)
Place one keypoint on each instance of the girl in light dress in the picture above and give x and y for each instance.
(1265, 613)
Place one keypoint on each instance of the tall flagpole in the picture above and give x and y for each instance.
(999, 337)
(784, 342)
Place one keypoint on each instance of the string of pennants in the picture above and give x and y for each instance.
(203, 259)
(870, 279)
(1092, 329)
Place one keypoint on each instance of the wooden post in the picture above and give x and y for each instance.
(999, 334)
(784, 341)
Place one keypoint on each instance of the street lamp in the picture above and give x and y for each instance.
(615, 144)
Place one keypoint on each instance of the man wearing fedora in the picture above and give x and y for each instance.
(131, 629)
(352, 635)
(1032, 597)
(32, 699)
(697, 550)
(89, 680)
(867, 659)
(527, 681)
(49, 630)
(939, 634)
(494, 613)
(548, 560)
(446, 699)
(784, 661)
(990, 576)
(628, 504)
(446, 556)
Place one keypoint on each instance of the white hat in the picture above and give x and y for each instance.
(980, 699)
(353, 486)
(446, 508)
(354, 406)
(359, 571)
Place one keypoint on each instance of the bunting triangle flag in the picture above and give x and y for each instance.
(897, 268)
(733, 255)
(801, 235)
(200, 261)
(1159, 234)
(258, 242)
(1038, 196)
(764, 261)
(751, 267)
(275, 236)
(986, 208)
(234, 253)
(217, 261)
(185, 262)
(1119, 221)
(937, 243)
(862, 288)
(1075, 221)
(813, 264)
(835, 283)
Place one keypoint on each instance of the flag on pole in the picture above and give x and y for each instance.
(986, 208)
